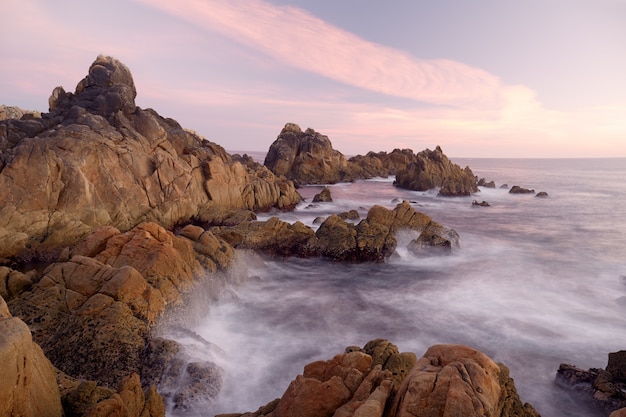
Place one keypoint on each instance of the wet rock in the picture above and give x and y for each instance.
(449, 380)
(541, 194)
(602, 389)
(350, 215)
(487, 184)
(433, 169)
(516, 189)
(323, 196)
(481, 204)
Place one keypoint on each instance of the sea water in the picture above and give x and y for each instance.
(536, 282)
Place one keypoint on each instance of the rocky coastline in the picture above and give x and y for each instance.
(112, 217)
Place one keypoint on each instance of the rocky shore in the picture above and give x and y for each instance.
(112, 216)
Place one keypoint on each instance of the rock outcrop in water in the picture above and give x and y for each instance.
(379, 381)
(433, 169)
(96, 159)
(602, 389)
(373, 239)
(309, 158)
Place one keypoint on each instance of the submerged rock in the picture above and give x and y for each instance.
(379, 381)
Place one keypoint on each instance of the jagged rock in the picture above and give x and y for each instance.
(28, 386)
(92, 315)
(98, 160)
(14, 112)
(516, 189)
(449, 380)
(487, 184)
(373, 239)
(381, 164)
(307, 157)
(602, 389)
(433, 169)
(349, 215)
(323, 196)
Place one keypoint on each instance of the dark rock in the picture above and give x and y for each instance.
(542, 194)
(323, 196)
(433, 169)
(504, 186)
(516, 189)
(481, 204)
(381, 164)
(483, 183)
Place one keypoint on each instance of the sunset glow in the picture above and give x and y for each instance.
(236, 71)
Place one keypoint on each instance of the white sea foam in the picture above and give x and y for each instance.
(536, 282)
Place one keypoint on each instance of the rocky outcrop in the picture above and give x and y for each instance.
(28, 386)
(516, 189)
(93, 313)
(14, 112)
(378, 381)
(381, 164)
(487, 184)
(307, 157)
(373, 239)
(603, 389)
(323, 196)
(98, 160)
(433, 169)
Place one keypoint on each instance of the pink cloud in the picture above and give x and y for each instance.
(296, 38)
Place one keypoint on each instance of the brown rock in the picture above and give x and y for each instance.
(28, 384)
(433, 169)
(98, 160)
(323, 196)
(306, 157)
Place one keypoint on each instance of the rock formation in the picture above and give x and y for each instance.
(96, 159)
(433, 169)
(323, 196)
(373, 239)
(378, 381)
(307, 157)
(28, 386)
(602, 389)
(516, 189)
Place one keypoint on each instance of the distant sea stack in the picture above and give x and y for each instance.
(309, 158)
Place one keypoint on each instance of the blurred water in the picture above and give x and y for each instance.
(536, 282)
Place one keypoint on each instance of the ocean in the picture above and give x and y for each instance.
(536, 282)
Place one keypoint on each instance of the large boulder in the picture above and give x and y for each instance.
(98, 160)
(378, 381)
(28, 386)
(381, 164)
(433, 169)
(307, 157)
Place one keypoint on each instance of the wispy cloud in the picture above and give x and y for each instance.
(299, 39)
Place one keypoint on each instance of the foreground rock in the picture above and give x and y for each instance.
(96, 159)
(603, 389)
(94, 314)
(379, 381)
(28, 386)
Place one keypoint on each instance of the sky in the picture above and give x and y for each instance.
(480, 78)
